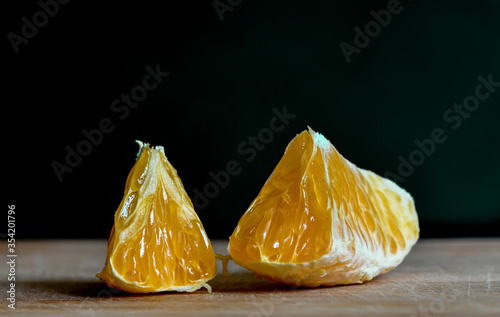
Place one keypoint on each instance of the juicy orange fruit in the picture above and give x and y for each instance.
(320, 220)
(157, 242)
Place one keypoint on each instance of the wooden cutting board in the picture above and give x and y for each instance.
(439, 278)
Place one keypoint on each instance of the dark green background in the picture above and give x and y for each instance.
(225, 79)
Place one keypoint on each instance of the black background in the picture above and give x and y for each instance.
(226, 77)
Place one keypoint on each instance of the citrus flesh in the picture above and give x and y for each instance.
(157, 242)
(320, 221)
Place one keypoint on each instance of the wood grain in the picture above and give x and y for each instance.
(455, 277)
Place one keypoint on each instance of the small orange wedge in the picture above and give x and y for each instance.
(157, 242)
(320, 221)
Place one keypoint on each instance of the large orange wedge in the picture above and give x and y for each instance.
(157, 242)
(320, 220)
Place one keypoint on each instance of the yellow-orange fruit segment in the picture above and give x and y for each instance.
(320, 221)
(157, 242)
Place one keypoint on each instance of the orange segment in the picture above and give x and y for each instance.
(302, 235)
(320, 220)
(157, 242)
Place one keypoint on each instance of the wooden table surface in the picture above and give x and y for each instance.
(453, 277)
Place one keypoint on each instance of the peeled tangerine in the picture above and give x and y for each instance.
(157, 242)
(320, 220)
